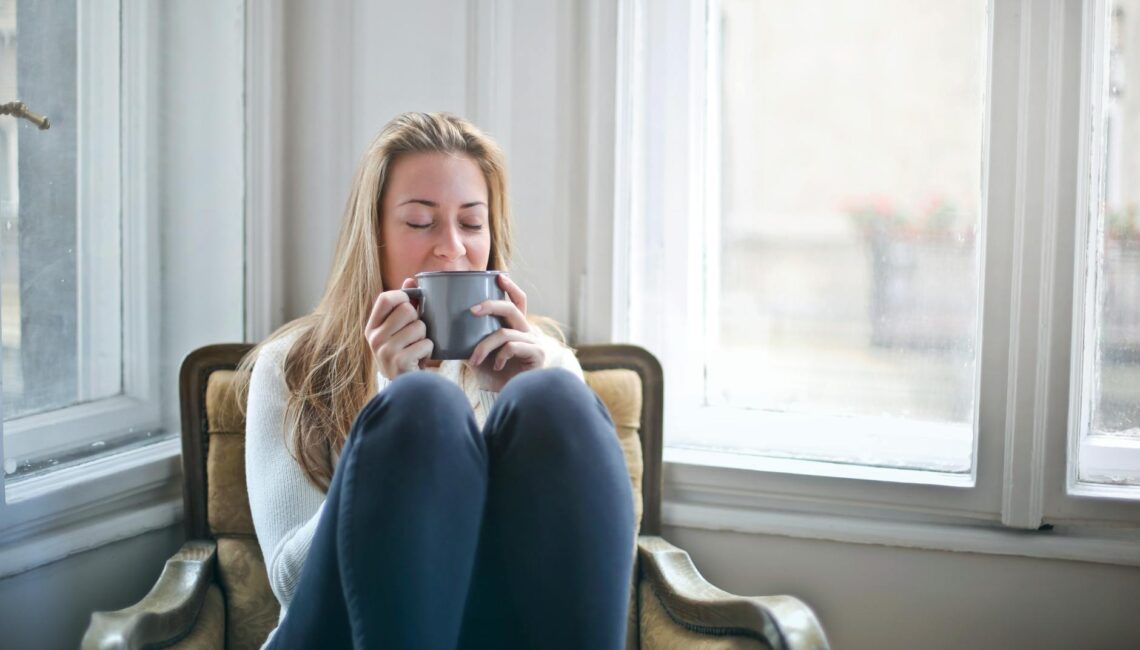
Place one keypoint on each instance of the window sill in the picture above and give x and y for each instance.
(776, 465)
(701, 496)
(76, 509)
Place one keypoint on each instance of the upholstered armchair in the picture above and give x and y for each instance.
(214, 592)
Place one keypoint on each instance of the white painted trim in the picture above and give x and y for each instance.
(1051, 292)
(98, 213)
(264, 167)
(1110, 461)
(594, 274)
(991, 160)
(763, 461)
(1014, 491)
(77, 426)
(784, 481)
(47, 517)
(1094, 79)
(1034, 286)
(489, 63)
(1090, 457)
(140, 229)
(135, 334)
(91, 533)
(1101, 546)
(759, 483)
(709, 77)
(887, 442)
(629, 135)
(71, 510)
(107, 467)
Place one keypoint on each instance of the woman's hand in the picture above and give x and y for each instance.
(510, 350)
(395, 333)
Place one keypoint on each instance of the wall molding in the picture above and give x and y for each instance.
(264, 167)
(1101, 547)
(489, 68)
(599, 37)
(75, 509)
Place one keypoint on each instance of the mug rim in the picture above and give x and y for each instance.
(428, 274)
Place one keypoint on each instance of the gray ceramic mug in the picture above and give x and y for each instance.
(445, 300)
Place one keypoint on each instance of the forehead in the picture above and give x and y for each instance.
(437, 177)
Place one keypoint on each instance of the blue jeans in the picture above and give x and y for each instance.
(437, 535)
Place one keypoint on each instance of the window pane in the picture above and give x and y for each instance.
(1116, 370)
(42, 261)
(850, 174)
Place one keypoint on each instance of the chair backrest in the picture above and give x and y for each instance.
(627, 378)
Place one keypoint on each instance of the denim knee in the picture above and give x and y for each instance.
(553, 400)
(416, 401)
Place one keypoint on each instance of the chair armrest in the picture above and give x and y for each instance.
(167, 613)
(782, 622)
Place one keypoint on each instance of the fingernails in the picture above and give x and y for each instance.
(477, 309)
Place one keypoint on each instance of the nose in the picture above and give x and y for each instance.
(449, 246)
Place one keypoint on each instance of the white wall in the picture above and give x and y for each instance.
(889, 598)
(353, 65)
(49, 607)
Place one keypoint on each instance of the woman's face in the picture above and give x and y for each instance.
(434, 217)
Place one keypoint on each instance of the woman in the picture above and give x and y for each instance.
(479, 503)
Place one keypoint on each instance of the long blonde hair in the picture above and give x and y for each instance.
(329, 370)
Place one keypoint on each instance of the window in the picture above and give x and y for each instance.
(865, 244)
(121, 250)
(66, 379)
(1109, 404)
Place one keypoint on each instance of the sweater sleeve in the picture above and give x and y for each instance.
(560, 356)
(286, 507)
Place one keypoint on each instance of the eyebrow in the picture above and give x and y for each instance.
(433, 204)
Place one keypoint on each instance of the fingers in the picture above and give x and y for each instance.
(405, 350)
(496, 340)
(512, 310)
(530, 355)
(395, 333)
(384, 304)
(409, 334)
(514, 292)
(415, 354)
(505, 309)
(398, 318)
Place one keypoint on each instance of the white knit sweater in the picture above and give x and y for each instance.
(286, 507)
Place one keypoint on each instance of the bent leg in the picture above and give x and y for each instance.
(393, 555)
(557, 545)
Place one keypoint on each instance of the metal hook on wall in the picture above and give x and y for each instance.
(19, 109)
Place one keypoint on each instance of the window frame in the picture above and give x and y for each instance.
(167, 63)
(110, 205)
(1037, 55)
(1096, 453)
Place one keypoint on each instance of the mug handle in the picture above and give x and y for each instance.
(414, 293)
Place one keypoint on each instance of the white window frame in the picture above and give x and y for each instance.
(129, 279)
(78, 506)
(1032, 166)
(1098, 455)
